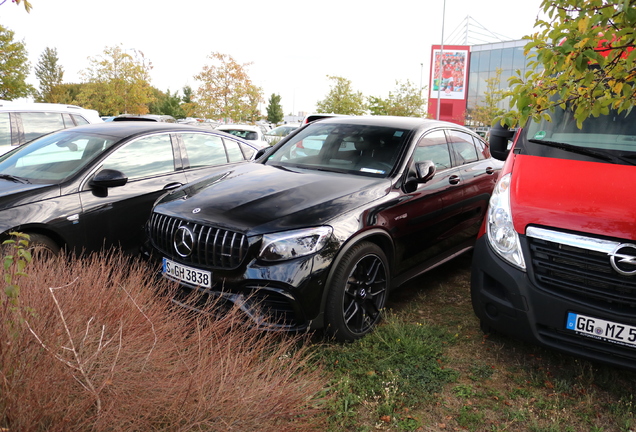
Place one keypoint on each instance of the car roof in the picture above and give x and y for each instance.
(411, 123)
(9, 106)
(238, 127)
(130, 128)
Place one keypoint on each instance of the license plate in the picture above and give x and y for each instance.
(187, 274)
(607, 331)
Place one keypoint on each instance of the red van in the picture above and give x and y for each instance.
(555, 262)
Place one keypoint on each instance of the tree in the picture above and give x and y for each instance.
(50, 74)
(406, 101)
(166, 104)
(117, 83)
(226, 90)
(274, 109)
(342, 99)
(586, 51)
(68, 93)
(14, 67)
(188, 105)
(484, 115)
(27, 5)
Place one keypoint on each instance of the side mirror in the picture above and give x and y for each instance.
(499, 137)
(262, 152)
(425, 171)
(420, 172)
(108, 178)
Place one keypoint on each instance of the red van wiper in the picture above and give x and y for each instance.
(595, 153)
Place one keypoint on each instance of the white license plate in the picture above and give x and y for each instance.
(187, 274)
(600, 329)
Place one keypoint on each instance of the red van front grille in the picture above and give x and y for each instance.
(581, 274)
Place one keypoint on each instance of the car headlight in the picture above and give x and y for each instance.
(293, 244)
(501, 232)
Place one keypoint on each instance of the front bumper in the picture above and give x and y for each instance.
(284, 296)
(509, 301)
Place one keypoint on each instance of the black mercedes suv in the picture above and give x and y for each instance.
(318, 231)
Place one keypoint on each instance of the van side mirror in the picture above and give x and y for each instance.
(499, 137)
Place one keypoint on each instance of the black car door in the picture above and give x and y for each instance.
(479, 175)
(426, 221)
(116, 216)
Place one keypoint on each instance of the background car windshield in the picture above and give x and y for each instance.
(351, 148)
(608, 132)
(55, 157)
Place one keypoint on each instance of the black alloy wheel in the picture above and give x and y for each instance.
(358, 292)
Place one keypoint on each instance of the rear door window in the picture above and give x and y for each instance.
(36, 124)
(204, 149)
(79, 120)
(234, 152)
(463, 147)
(5, 132)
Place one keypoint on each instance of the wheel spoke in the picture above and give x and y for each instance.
(364, 294)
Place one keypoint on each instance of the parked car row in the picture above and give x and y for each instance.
(316, 231)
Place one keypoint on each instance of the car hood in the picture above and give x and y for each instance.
(13, 194)
(255, 198)
(574, 195)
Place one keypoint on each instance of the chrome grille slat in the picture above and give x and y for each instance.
(580, 273)
(215, 248)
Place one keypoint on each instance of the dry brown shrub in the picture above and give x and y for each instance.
(93, 346)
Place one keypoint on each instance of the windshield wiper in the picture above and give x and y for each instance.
(595, 153)
(14, 178)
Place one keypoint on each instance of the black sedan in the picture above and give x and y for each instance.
(93, 186)
(317, 239)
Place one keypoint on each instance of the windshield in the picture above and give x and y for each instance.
(613, 132)
(350, 148)
(55, 157)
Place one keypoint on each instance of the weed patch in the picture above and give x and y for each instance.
(91, 345)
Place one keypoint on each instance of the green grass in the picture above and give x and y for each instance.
(386, 374)
(428, 367)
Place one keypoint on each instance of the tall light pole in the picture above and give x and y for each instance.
(441, 63)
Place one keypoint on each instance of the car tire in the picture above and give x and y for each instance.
(357, 292)
(42, 247)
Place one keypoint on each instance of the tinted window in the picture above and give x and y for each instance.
(204, 149)
(5, 130)
(234, 151)
(463, 146)
(144, 157)
(35, 124)
(433, 147)
(68, 121)
(54, 157)
(248, 151)
(79, 120)
(482, 148)
(360, 149)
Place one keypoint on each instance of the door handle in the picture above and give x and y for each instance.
(490, 170)
(454, 179)
(171, 186)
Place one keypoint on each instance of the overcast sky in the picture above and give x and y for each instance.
(292, 46)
